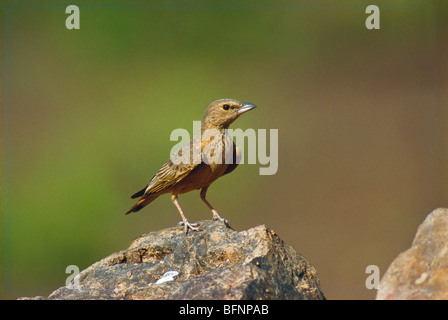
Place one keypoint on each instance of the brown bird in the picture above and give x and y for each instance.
(212, 154)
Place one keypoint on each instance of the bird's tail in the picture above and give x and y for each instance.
(139, 193)
(144, 201)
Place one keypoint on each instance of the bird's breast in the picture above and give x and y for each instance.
(216, 153)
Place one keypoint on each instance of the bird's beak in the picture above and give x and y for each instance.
(245, 107)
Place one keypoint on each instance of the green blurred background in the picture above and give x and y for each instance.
(87, 114)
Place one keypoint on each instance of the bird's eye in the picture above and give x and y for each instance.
(226, 107)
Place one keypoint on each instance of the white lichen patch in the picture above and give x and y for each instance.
(167, 276)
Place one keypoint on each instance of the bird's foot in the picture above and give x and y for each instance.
(216, 216)
(187, 225)
(181, 223)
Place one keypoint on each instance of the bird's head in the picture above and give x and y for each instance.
(221, 113)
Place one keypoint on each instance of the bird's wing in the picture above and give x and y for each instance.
(173, 172)
(168, 176)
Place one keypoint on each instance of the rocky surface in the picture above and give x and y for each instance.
(215, 263)
(421, 272)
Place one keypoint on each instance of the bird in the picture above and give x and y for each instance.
(198, 163)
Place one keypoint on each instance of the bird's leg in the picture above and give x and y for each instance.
(187, 225)
(216, 216)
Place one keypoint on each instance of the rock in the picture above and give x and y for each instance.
(215, 263)
(421, 272)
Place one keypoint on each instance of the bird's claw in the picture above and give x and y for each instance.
(181, 223)
(216, 216)
(187, 225)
